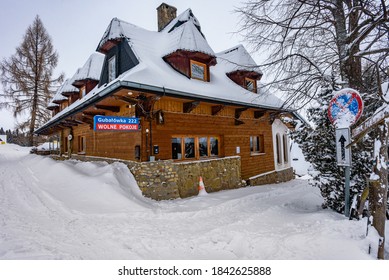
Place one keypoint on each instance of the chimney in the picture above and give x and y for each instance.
(166, 14)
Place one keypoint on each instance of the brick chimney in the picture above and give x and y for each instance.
(166, 14)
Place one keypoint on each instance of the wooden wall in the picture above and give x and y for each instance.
(199, 122)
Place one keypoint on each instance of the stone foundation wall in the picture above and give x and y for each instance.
(166, 179)
(272, 177)
(217, 174)
(157, 180)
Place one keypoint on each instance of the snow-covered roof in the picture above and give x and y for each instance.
(114, 31)
(185, 34)
(91, 69)
(68, 85)
(58, 97)
(153, 72)
(237, 58)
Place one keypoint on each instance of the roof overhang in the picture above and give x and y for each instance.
(118, 85)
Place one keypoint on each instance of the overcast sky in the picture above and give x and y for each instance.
(76, 26)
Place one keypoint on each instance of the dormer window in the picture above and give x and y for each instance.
(111, 69)
(198, 70)
(82, 92)
(250, 84)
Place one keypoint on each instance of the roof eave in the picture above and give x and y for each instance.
(112, 88)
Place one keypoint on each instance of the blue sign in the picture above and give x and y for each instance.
(345, 107)
(115, 123)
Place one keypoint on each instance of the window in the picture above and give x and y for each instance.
(189, 147)
(286, 150)
(198, 70)
(112, 69)
(176, 148)
(81, 144)
(203, 146)
(137, 152)
(250, 84)
(257, 144)
(214, 146)
(278, 146)
(195, 147)
(82, 92)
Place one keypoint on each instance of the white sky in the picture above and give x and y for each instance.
(76, 26)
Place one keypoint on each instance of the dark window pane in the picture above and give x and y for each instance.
(197, 71)
(189, 148)
(203, 146)
(214, 143)
(176, 148)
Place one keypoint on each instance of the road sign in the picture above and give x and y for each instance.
(343, 154)
(104, 123)
(345, 108)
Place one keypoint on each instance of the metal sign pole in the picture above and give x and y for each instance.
(345, 109)
(347, 191)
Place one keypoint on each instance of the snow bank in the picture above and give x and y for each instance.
(81, 210)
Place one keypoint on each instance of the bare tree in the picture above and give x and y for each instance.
(307, 41)
(27, 77)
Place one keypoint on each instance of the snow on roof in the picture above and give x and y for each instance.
(58, 97)
(113, 31)
(68, 85)
(185, 34)
(237, 58)
(91, 69)
(182, 18)
(151, 46)
(52, 105)
(187, 37)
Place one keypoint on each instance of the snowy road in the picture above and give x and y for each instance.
(76, 210)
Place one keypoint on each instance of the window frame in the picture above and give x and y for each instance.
(196, 146)
(81, 144)
(111, 68)
(257, 147)
(254, 82)
(285, 148)
(278, 149)
(200, 64)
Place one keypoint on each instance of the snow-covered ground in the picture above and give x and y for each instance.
(78, 210)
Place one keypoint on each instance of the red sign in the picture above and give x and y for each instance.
(345, 107)
(115, 126)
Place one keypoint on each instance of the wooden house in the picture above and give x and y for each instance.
(194, 105)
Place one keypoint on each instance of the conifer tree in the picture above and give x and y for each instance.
(27, 78)
(318, 145)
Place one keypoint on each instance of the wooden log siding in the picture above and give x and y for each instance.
(198, 123)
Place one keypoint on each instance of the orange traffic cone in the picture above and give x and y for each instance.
(202, 190)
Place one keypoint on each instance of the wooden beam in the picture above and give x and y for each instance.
(65, 124)
(91, 113)
(216, 109)
(115, 109)
(190, 106)
(86, 119)
(127, 99)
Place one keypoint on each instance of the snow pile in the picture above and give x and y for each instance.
(82, 210)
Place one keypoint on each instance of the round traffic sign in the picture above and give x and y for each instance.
(345, 108)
